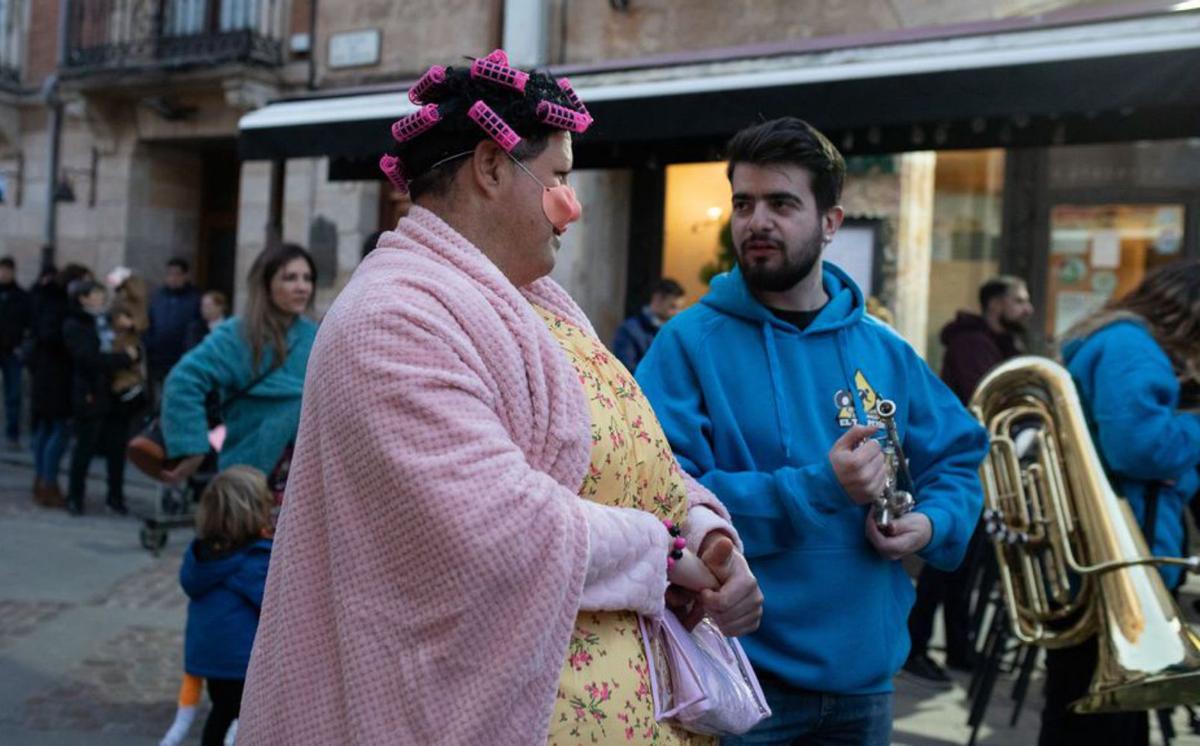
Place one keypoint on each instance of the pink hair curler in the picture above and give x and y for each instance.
(569, 92)
(494, 126)
(393, 169)
(494, 72)
(563, 118)
(499, 56)
(432, 78)
(417, 123)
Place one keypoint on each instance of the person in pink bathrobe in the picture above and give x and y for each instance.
(435, 549)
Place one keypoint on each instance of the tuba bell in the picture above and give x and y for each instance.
(1072, 560)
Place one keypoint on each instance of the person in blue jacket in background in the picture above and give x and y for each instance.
(1129, 362)
(224, 574)
(769, 392)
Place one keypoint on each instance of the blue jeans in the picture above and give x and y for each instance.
(49, 443)
(814, 719)
(10, 365)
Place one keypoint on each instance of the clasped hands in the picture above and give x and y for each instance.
(861, 468)
(715, 582)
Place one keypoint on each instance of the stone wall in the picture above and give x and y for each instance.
(594, 31)
(413, 35)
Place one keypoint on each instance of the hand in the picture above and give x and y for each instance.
(859, 463)
(910, 533)
(133, 353)
(737, 605)
(184, 469)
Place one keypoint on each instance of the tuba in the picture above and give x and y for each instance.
(1072, 560)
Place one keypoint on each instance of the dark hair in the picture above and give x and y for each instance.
(71, 273)
(1169, 300)
(666, 286)
(264, 324)
(369, 243)
(456, 133)
(997, 287)
(794, 141)
(7, 262)
(179, 263)
(79, 288)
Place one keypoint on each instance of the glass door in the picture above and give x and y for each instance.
(1101, 251)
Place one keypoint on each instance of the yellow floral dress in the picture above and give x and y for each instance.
(604, 689)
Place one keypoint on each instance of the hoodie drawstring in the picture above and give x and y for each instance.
(777, 389)
(851, 386)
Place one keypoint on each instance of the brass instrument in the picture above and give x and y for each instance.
(892, 502)
(1073, 561)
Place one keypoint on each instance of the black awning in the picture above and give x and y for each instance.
(1127, 97)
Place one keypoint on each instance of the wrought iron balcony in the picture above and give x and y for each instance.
(105, 35)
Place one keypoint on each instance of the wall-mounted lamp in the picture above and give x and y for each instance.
(712, 216)
(65, 190)
(12, 191)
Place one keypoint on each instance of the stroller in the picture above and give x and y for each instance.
(175, 504)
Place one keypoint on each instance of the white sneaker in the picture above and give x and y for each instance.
(231, 734)
(179, 729)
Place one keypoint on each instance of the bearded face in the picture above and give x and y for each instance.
(778, 232)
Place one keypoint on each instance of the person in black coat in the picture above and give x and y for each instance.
(172, 310)
(50, 370)
(14, 326)
(101, 422)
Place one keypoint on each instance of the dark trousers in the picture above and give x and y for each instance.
(226, 696)
(10, 367)
(1068, 675)
(104, 435)
(952, 591)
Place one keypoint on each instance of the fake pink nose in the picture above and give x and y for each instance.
(561, 206)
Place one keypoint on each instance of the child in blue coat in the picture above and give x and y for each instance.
(224, 573)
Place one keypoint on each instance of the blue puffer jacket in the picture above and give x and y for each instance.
(226, 592)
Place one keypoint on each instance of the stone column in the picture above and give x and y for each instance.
(914, 242)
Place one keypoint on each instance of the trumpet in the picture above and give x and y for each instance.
(892, 502)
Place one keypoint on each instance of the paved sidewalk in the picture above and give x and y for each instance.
(91, 635)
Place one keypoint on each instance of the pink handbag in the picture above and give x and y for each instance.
(712, 688)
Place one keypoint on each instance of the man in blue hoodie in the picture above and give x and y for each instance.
(769, 392)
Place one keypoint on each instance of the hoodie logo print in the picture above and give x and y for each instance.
(844, 401)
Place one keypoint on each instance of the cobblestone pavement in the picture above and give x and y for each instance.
(91, 637)
(91, 624)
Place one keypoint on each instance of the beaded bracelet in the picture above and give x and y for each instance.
(676, 548)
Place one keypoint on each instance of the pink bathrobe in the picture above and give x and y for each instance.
(433, 552)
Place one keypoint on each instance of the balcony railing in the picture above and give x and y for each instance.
(135, 34)
(11, 26)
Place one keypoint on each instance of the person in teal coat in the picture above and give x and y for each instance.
(268, 347)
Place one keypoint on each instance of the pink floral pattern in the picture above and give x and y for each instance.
(604, 689)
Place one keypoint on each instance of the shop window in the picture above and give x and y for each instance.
(1098, 252)
(965, 244)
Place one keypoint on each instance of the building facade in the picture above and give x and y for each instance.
(1048, 138)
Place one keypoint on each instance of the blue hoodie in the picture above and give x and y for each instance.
(225, 592)
(751, 406)
(1130, 395)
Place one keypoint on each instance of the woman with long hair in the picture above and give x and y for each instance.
(255, 362)
(1130, 362)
